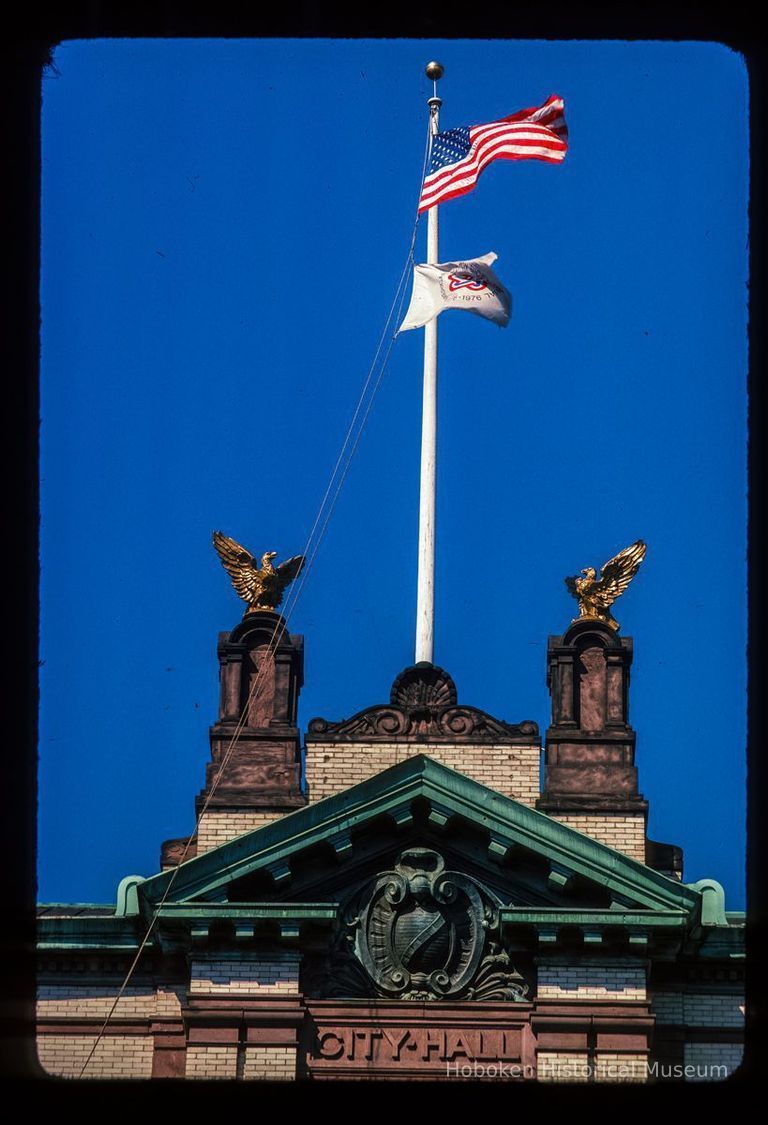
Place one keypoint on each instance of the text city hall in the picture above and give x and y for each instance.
(401, 1044)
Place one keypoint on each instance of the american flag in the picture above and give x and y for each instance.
(459, 156)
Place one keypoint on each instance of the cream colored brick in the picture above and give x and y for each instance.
(95, 1001)
(610, 1066)
(711, 1062)
(212, 1062)
(591, 981)
(511, 770)
(116, 1056)
(563, 1066)
(698, 1009)
(277, 975)
(219, 826)
(270, 1063)
(624, 833)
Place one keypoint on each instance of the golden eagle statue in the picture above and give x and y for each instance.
(595, 595)
(261, 586)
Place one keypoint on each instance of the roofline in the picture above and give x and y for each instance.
(508, 822)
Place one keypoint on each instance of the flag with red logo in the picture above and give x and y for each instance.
(470, 285)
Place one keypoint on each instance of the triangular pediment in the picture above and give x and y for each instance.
(533, 865)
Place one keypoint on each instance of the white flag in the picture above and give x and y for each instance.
(470, 285)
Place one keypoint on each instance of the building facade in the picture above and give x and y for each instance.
(405, 894)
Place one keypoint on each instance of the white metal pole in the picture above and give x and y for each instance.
(425, 600)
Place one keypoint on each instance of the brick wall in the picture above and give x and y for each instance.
(117, 1056)
(70, 1000)
(221, 825)
(588, 980)
(253, 976)
(270, 1063)
(279, 973)
(712, 1062)
(511, 770)
(212, 1062)
(624, 833)
(580, 1066)
(563, 1066)
(620, 1066)
(698, 1009)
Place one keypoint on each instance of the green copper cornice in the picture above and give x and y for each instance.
(450, 794)
(554, 916)
(88, 933)
(183, 921)
(649, 909)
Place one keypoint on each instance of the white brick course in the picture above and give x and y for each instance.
(620, 1066)
(218, 826)
(275, 1063)
(511, 770)
(117, 1056)
(713, 1061)
(95, 1001)
(584, 981)
(212, 1062)
(277, 974)
(625, 833)
(563, 1066)
(698, 1009)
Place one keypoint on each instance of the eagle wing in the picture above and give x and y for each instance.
(617, 574)
(572, 588)
(289, 570)
(240, 565)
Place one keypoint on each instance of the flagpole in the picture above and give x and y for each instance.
(425, 598)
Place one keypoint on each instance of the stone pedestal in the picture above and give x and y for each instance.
(590, 778)
(261, 672)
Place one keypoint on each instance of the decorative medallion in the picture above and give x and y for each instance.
(423, 687)
(420, 932)
(423, 706)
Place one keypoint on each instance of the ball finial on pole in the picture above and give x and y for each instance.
(434, 70)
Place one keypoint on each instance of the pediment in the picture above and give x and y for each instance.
(532, 866)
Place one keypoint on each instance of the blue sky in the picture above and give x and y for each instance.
(224, 223)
